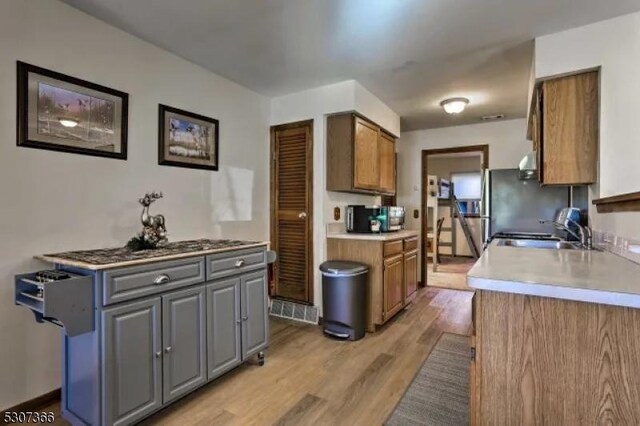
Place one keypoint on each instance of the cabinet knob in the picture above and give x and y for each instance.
(238, 321)
(158, 354)
(161, 279)
(167, 349)
(239, 263)
(302, 215)
(245, 318)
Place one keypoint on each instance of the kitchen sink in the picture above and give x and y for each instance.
(541, 244)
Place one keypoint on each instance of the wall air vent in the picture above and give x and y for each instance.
(294, 311)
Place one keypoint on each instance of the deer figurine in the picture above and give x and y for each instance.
(154, 228)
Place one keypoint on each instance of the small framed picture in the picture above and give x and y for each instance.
(63, 113)
(186, 139)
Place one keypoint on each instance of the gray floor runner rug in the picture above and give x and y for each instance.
(439, 394)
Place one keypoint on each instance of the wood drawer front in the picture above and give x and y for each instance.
(411, 244)
(392, 247)
(231, 263)
(138, 281)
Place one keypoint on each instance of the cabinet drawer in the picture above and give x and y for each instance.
(411, 244)
(231, 263)
(138, 281)
(392, 247)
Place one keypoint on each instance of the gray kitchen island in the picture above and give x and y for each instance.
(142, 329)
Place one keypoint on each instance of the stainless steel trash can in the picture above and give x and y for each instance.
(344, 298)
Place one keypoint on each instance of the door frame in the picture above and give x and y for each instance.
(273, 220)
(484, 149)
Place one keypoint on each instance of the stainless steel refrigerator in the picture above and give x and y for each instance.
(513, 205)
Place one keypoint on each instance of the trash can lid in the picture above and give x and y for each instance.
(342, 267)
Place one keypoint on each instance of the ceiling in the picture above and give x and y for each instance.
(409, 53)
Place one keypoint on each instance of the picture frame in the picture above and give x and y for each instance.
(187, 139)
(59, 112)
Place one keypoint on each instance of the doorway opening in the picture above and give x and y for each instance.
(292, 211)
(450, 174)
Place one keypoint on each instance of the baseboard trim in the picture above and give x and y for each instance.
(38, 402)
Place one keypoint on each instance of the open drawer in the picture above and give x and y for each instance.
(67, 303)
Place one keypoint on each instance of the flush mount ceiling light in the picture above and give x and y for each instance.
(68, 122)
(454, 105)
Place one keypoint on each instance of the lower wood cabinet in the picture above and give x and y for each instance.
(393, 272)
(410, 274)
(392, 284)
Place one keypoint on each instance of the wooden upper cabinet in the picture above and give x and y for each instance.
(366, 152)
(564, 126)
(360, 156)
(387, 145)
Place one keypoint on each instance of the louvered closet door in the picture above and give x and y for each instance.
(291, 231)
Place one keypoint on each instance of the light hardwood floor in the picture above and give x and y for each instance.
(452, 273)
(309, 379)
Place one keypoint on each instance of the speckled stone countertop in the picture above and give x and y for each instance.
(385, 236)
(119, 257)
(581, 275)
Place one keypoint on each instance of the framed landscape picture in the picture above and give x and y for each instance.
(187, 139)
(64, 113)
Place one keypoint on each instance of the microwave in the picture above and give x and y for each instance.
(371, 219)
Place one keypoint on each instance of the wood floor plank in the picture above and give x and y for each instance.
(305, 412)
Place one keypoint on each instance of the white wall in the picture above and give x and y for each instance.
(507, 145)
(316, 104)
(53, 201)
(615, 46)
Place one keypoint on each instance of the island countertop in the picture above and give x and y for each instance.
(384, 236)
(581, 275)
(109, 258)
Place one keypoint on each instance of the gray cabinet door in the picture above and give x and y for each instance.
(183, 338)
(255, 321)
(132, 385)
(223, 326)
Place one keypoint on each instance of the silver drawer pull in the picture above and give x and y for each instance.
(161, 279)
(239, 263)
(158, 354)
(245, 318)
(167, 349)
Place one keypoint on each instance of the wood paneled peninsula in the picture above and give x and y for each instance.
(392, 259)
(143, 329)
(556, 337)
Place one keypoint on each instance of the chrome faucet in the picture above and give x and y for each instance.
(584, 235)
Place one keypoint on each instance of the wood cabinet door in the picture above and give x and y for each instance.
(292, 210)
(184, 341)
(255, 317)
(570, 129)
(387, 163)
(393, 285)
(410, 273)
(132, 356)
(366, 160)
(223, 326)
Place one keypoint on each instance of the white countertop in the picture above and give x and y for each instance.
(586, 276)
(387, 236)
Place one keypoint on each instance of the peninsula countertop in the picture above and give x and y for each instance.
(581, 275)
(384, 236)
(109, 258)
